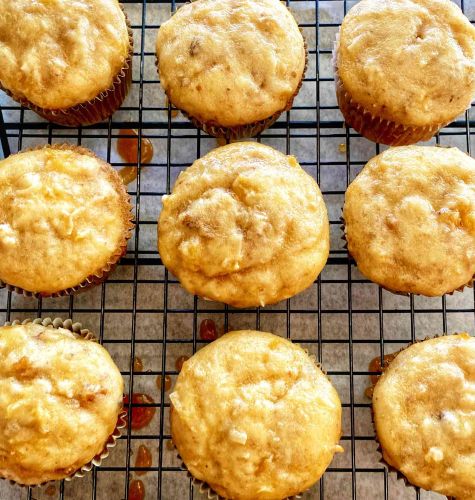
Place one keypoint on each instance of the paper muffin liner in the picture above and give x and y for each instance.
(95, 110)
(205, 489)
(241, 131)
(372, 126)
(111, 443)
(99, 276)
(461, 288)
(392, 470)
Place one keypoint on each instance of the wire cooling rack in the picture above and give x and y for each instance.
(141, 310)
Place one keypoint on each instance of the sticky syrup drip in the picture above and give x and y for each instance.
(143, 459)
(375, 366)
(179, 362)
(138, 364)
(141, 416)
(208, 330)
(136, 490)
(127, 147)
(50, 490)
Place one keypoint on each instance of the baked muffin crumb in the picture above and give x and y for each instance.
(235, 407)
(231, 63)
(54, 385)
(404, 68)
(244, 225)
(424, 413)
(65, 216)
(410, 220)
(60, 54)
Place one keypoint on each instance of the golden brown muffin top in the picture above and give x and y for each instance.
(58, 53)
(231, 62)
(409, 61)
(244, 225)
(254, 417)
(64, 215)
(424, 411)
(60, 397)
(410, 219)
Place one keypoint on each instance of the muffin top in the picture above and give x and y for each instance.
(409, 61)
(64, 215)
(244, 225)
(231, 62)
(410, 219)
(58, 53)
(254, 417)
(60, 397)
(424, 412)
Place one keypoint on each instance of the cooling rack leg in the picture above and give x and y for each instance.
(3, 136)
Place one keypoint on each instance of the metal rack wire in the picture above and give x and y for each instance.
(343, 319)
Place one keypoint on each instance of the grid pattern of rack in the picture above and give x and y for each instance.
(142, 311)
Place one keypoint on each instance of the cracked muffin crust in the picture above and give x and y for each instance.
(65, 217)
(410, 220)
(58, 54)
(424, 413)
(233, 62)
(60, 398)
(254, 417)
(406, 63)
(244, 225)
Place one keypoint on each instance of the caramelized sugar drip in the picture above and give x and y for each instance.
(208, 330)
(50, 490)
(375, 366)
(128, 174)
(127, 147)
(368, 392)
(170, 446)
(167, 381)
(136, 490)
(141, 416)
(143, 459)
(138, 364)
(179, 362)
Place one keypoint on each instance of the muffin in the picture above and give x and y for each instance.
(244, 225)
(65, 218)
(254, 417)
(232, 67)
(404, 68)
(424, 413)
(60, 401)
(70, 62)
(410, 220)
